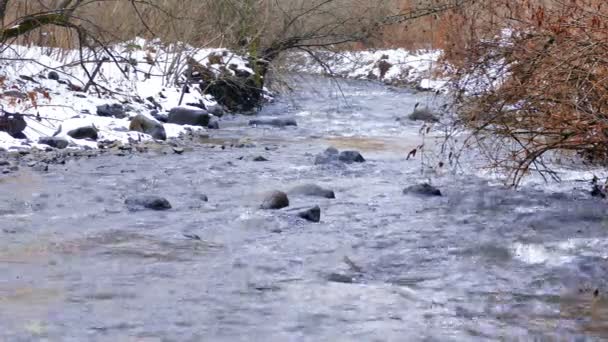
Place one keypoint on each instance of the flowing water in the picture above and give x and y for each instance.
(483, 262)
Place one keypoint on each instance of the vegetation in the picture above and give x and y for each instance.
(530, 77)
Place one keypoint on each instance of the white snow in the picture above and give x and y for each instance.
(142, 69)
(415, 68)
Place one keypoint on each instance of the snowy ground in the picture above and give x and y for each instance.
(141, 76)
(418, 69)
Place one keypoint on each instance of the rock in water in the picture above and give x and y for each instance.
(312, 190)
(424, 189)
(87, 132)
(350, 157)
(147, 202)
(275, 200)
(143, 124)
(313, 214)
(187, 116)
(275, 122)
(423, 114)
(115, 110)
(56, 142)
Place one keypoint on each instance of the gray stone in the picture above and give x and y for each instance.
(150, 202)
(313, 214)
(87, 132)
(312, 190)
(423, 114)
(115, 110)
(187, 116)
(13, 124)
(340, 278)
(55, 142)
(275, 122)
(143, 124)
(424, 189)
(259, 159)
(350, 157)
(53, 75)
(275, 200)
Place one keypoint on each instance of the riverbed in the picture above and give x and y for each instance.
(481, 262)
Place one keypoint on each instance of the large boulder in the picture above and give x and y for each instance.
(275, 200)
(13, 124)
(143, 124)
(115, 110)
(350, 157)
(188, 116)
(86, 132)
(56, 142)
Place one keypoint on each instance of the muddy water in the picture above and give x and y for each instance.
(481, 263)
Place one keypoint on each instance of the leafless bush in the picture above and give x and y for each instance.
(538, 87)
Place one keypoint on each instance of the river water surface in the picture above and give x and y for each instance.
(483, 262)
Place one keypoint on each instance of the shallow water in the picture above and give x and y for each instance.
(481, 263)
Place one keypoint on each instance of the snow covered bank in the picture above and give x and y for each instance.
(396, 67)
(55, 94)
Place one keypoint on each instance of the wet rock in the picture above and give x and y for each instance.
(4, 162)
(203, 198)
(150, 202)
(275, 200)
(187, 116)
(313, 214)
(424, 189)
(312, 190)
(423, 114)
(55, 142)
(86, 132)
(53, 75)
(259, 159)
(350, 157)
(275, 122)
(340, 278)
(13, 124)
(143, 124)
(114, 110)
(178, 150)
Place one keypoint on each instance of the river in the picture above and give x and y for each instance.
(482, 262)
